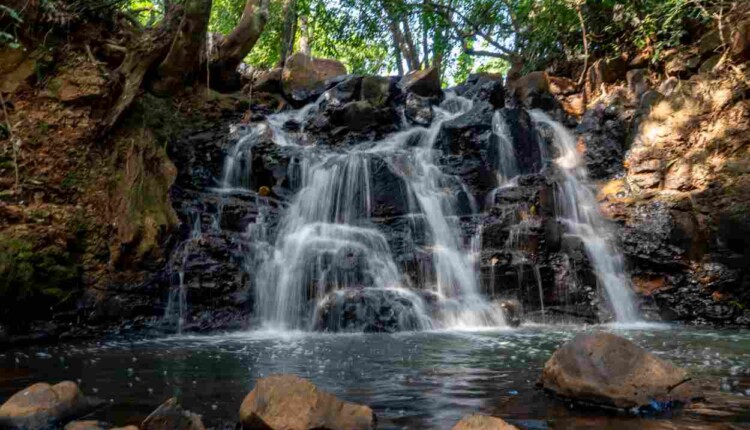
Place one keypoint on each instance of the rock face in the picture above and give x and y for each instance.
(171, 416)
(42, 405)
(482, 422)
(289, 402)
(370, 311)
(425, 83)
(607, 370)
(304, 77)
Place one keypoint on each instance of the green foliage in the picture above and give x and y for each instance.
(12, 21)
(541, 32)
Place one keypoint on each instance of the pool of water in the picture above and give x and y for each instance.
(424, 380)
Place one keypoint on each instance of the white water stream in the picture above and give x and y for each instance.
(579, 211)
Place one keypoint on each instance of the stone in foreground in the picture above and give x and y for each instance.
(171, 416)
(288, 402)
(42, 406)
(606, 370)
(482, 422)
(87, 425)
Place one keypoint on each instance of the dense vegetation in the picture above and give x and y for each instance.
(395, 36)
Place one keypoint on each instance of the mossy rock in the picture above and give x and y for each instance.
(36, 274)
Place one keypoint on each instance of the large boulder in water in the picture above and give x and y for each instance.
(482, 422)
(289, 402)
(608, 370)
(305, 77)
(371, 310)
(43, 406)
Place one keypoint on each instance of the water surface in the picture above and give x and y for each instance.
(418, 380)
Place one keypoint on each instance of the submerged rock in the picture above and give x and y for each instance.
(482, 422)
(87, 425)
(171, 416)
(291, 403)
(606, 370)
(42, 406)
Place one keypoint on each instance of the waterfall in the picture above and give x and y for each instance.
(507, 167)
(328, 247)
(578, 210)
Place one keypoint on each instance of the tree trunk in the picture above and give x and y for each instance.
(304, 35)
(410, 50)
(181, 63)
(399, 59)
(149, 47)
(235, 47)
(290, 28)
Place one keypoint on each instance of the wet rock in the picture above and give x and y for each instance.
(526, 145)
(662, 235)
(606, 370)
(171, 416)
(603, 135)
(304, 78)
(42, 405)
(371, 310)
(87, 425)
(482, 422)
(269, 81)
(513, 311)
(289, 402)
(418, 110)
(425, 83)
(343, 93)
(530, 88)
(389, 192)
(466, 144)
(376, 90)
(486, 87)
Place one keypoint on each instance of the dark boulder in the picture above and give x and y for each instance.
(371, 310)
(486, 87)
(418, 109)
(425, 83)
(603, 135)
(465, 142)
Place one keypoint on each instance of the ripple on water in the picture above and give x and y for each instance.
(414, 380)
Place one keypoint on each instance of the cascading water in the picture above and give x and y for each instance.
(328, 247)
(579, 212)
(506, 162)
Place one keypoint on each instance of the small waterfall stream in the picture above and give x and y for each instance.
(579, 211)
